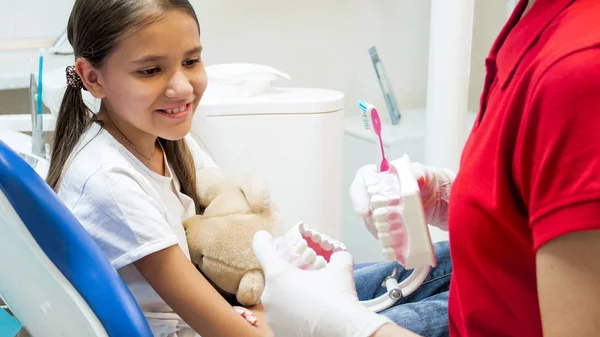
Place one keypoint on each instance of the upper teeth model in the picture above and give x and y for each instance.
(306, 248)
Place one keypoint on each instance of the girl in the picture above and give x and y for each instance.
(128, 173)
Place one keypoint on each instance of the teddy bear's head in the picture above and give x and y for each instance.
(220, 239)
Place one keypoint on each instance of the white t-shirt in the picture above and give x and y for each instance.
(129, 210)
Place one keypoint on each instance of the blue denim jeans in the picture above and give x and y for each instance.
(425, 311)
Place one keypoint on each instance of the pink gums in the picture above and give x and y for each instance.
(326, 254)
(398, 233)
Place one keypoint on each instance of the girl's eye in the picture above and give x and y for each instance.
(191, 62)
(149, 72)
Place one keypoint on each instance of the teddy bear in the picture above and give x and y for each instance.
(220, 239)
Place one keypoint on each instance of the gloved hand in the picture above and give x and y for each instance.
(312, 303)
(435, 184)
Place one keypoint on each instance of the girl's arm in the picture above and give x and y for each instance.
(191, 296)
(568, 273)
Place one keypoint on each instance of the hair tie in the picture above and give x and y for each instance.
(73, 79)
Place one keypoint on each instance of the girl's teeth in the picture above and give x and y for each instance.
(176, 110)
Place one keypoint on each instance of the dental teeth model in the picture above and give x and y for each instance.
(386, 204)
(402, 231)
(399, 219)
(306, 248)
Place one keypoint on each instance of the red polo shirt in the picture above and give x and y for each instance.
(530, 170)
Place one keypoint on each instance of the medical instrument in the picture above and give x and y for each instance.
(400, 222)
(38, 145)
(55, 279)
(386, 87)
(33, 149)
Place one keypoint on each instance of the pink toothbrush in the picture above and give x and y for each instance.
(371, 118)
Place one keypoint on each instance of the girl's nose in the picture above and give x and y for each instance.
(179, 87)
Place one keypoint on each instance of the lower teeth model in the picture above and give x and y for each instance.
(387, 207)
(306, 248)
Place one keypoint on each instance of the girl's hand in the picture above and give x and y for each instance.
(247, 314)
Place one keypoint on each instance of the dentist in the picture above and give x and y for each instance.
(523, 212)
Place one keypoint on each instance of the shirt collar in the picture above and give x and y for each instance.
(519, 34)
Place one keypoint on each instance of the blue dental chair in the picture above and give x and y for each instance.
(53, 276)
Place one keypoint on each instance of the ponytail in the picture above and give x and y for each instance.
(74, 118)
(181, 160)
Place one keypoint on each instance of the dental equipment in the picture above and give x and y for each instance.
(32, 149)
(399, 220)
(38, 145)
(385, 85)
(55, 279)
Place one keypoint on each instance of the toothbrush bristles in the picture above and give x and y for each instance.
(363, 105)
(365, 120)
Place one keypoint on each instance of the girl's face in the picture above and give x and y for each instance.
(154, 79)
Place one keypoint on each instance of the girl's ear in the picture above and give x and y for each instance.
(90, 77)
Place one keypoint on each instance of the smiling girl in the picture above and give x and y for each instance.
(128, 172)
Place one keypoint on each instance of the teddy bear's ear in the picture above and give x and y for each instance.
(256, 191)
(209, 183)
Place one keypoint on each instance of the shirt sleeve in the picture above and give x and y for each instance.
(562, 132)
(118, 210)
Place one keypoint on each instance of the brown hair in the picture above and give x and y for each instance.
(94, 29)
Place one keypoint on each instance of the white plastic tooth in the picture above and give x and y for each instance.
(372, 180)
(300, 247)
(383, 226)
(338, 246)
(309, 256)
(380, 214)
(319, 263)
(309, 233)
(302, 227)
(374, 190)
(385, 239)
(316, 238)
(327, 244)
(378, 201)
(394, 197)
(389, 254)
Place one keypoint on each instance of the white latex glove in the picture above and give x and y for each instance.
(435, 184)
(312, 303)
